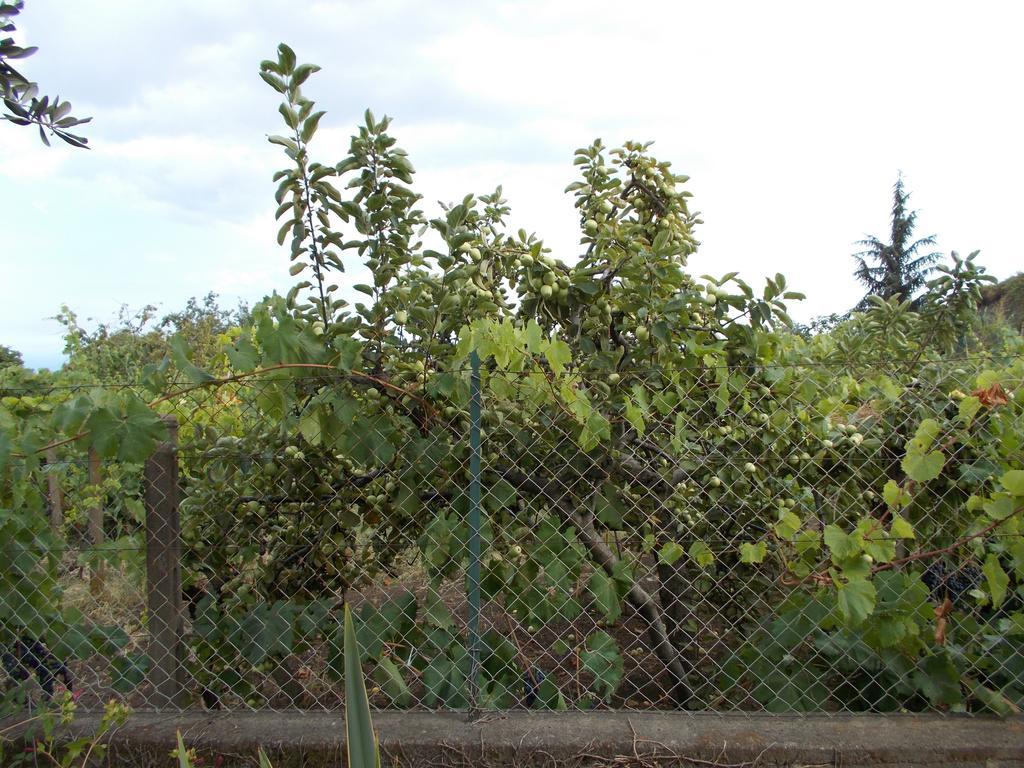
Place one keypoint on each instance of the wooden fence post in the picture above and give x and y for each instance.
(163, 572)
(96, 523)
(55, 493)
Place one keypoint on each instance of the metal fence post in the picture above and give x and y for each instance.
(474, 534)
(55, 492)
(163, 571)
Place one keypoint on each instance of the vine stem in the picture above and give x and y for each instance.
(946, 550)
(249, 374)
(822, 577)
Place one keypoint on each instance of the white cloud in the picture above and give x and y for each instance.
(792, 120)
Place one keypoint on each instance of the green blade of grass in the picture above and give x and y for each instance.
(183, 761)
(360, 738)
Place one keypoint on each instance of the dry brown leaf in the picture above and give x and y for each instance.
(992, 396)
(941, 620)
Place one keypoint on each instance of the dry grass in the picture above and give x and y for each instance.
(120, 602)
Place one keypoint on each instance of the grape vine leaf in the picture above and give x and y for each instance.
(671, 552)
(601, 658)
(701, 554)
(1013, 482)
(753, 553)
(997, 579)
(856, 600)
(923, 467)
(606, 595)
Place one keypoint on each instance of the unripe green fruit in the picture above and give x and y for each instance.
(606, 206)
(474, 253)
(715, 481)
(642, 333)
(590, 226)
(401, 317)
(549, 278)
(749, 468)
(546, 291)
(711, 299)
(613, 378)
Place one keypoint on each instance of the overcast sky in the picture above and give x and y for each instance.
(792, 119)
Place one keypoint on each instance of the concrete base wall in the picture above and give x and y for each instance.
(315, 740)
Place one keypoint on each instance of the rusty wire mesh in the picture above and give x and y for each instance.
(612, 575)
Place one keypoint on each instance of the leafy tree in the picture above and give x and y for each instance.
(653, 440)
(10, 356)
(896, 268)
(1005, 302)
(771, 508)
(21, 96)
(120, 350)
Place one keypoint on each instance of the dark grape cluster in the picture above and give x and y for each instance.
(27, 655)
(531, 682)
(944, 582)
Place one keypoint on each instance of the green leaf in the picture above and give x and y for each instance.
(534, 337)
(856, 600)
(635, 416)
(389, 678)
(753, 553)
(182, 357)
(923, 467)
(435, 612)
(600, 657)
(309, 127)
(938, 680)
(670, 552)
(350, 351)
(789, 523)
(361, 742)
(608, 508)
(606, 595)
(559, 355)
(994, 700)
(128, 672)
(901, 528)
(701, 554)
(242, 354)
(841, 545)
(130, 432)
(1013, 482)
(267, 630)
(968, 409)
(926, 433)
(997, 579)
(894, 495)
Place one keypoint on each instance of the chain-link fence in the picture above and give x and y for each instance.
(694, 540)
